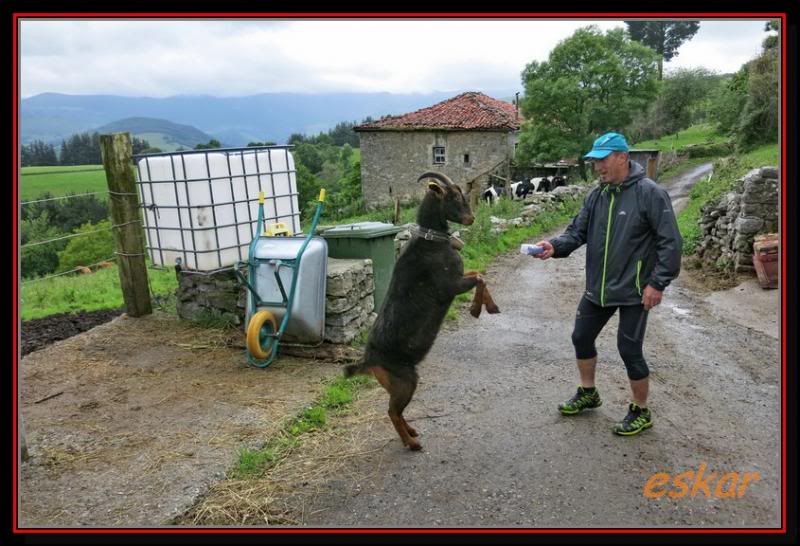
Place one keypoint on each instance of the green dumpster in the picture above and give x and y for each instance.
(373, 240)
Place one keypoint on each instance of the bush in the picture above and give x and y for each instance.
(67, 214)
(40, 260)
(88, 249)
(758, 122)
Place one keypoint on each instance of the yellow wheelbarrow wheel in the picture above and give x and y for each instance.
(262, 324)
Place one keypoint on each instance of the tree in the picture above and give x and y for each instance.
(66, 214)
(681, 102)
(212, 144)
(759, 118)
(665, 37)
(39, 260)
(88, 249)
(591, 83)
(771, 41)
(38, 153)
(309, 155)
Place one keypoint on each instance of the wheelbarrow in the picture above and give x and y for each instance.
(268, 300)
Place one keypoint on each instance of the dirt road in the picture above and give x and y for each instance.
(498, 454)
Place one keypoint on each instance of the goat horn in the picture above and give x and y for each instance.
(438, 176)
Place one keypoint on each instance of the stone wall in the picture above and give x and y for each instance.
(349, 304)
(730, 225)
(395, 159)
(348, 299)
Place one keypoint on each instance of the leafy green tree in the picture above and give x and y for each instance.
(348, 198)
(296, 138)
(727, 101)
(309, 155)
(141, 146)
(38, 153)
(345, 154)
(664, 37)
(66, 214)
(87, 249)
(681, 102)
(308, 187)
(591, 83)
(212, 144)
(773, 40)
(759, 118)
(39, 260)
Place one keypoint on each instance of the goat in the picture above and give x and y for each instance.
(492, 193)
(427, 277)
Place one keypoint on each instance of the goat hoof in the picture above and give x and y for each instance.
(475, 311)
(414, 445)
(493, 309)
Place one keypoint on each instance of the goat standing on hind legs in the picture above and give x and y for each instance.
(427, 277)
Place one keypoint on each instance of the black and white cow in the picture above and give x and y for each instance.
(520, 190)
(492, 193)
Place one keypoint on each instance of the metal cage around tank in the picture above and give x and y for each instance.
(201, 206)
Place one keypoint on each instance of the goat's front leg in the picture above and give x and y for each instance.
(482, 296)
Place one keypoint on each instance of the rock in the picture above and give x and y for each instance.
(748, 225)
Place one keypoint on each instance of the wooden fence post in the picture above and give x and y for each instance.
(126, 214)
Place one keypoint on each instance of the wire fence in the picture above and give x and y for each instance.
(73, 270)
(73, 235)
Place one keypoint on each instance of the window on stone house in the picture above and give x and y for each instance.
(466, 158)
(438, 154)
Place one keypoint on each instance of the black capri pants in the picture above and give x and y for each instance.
(589, 322)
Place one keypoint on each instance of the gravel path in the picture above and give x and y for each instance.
(498, 454)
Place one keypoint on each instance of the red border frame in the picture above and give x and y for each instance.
(378, 15)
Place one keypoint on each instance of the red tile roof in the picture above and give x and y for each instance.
(467, 111)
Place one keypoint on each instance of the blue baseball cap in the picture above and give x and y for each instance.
(605, 144)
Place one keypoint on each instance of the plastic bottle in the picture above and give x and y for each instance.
(531, 250)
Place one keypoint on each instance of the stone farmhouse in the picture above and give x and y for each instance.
(471, 138)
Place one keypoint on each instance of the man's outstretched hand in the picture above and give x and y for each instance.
(548, 250)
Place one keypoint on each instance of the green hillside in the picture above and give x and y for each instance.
(160, 133)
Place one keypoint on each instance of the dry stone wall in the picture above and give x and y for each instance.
(348, 299)
(730, 225)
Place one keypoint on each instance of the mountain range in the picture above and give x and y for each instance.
(234, 121)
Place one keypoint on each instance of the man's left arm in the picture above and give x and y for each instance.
(669, 246)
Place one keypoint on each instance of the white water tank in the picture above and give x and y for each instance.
(202, 205)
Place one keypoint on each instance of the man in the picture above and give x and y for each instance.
(633, 251)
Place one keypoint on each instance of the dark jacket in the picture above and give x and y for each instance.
(641, 244)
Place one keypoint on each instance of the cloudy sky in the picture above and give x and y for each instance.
(159, 58)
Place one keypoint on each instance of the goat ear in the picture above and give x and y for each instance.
(437, 189)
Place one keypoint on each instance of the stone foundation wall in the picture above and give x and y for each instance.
(348, 299)
(349, 304)
(730, 225)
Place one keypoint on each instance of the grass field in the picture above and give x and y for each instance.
(98, 290)
(61, 180)
(696, 134)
